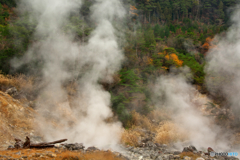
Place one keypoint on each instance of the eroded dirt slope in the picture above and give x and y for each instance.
(16, 121)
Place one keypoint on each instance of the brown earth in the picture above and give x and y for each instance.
(57, 154)
(16, 121)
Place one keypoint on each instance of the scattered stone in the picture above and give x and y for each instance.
(210, 150)
(18, 153)
(176, 152)
(153, 156)
(37, 155)
(10, 147)
(52, 155)
(186, 149)
(187, 158)
(91, 149)
(159, 158)
(176, 157)
(171, 157)
(18, 144)
(12, 91)
(76, 146)
(192, 148)
(24, 157)
(164, 146)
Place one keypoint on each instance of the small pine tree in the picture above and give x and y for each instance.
(149, 38)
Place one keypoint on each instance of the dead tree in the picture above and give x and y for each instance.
(27, 144)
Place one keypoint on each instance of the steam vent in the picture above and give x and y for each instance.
(119, 80)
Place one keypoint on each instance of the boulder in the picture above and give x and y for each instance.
(12, 91)
(75, 146)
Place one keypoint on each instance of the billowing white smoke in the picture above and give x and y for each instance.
(223, 69)
(175, 93)
(94, 61)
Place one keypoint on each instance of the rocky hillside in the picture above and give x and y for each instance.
(16, 121)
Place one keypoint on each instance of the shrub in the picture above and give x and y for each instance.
(130, 137)
(119, 108)
(196, 68)
(142, 121)
(130, 79)
(168, 133)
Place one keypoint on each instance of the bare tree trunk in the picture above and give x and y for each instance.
(136, 52)
(149, 18)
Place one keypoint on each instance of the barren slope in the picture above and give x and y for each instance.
(15, 120)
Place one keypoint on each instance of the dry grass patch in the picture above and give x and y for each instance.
(142, 121)
(60, 154)
(19, 81)
(130, 137)
(189, 154)
(168, 133)
(100, 155)
(159, 115)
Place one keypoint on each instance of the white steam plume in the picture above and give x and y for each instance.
(223, 69)
(95, 61)
(175, 93)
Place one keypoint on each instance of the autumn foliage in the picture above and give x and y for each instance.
(171, 55)
(132, 10)
(174, 57)
(209, 44)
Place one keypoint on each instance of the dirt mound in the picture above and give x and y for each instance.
(16, 121)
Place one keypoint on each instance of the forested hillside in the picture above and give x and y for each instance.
(207, 11)
(159, 34)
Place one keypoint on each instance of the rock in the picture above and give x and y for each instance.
(171, 157)
(91, 149)
(130, 148)
(187, 158)
(158, 145)
(57, 145)
(176, 152)
(189, 149)
(52, 155)
(37, 155)
(176, 157)
(76, 146)
(10, 147)
(186, 149)
(24, 157)
(159, 158)
(12, 91)
(192, 148)
(166, 156)
(18, 153)
(210, 150)
(151, 145)
(164, 146)
(145, 139)
(153, 156)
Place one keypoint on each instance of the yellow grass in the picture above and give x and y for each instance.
(60, 154)
(189, 154)
(142, 121)
(19, 81)
(159, 115)
(130, 137)
(168, 132)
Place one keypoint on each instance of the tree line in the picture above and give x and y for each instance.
(166, 11)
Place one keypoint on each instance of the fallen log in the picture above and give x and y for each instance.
(41, 146)
(54, 142)
(27, 144)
